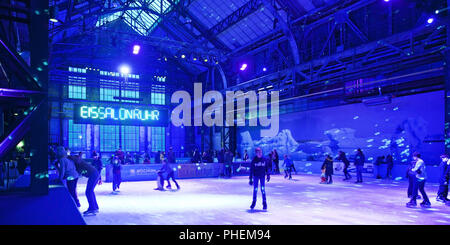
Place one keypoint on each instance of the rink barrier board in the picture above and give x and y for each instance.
(144, 172)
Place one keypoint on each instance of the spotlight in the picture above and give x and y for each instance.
(124, 69)
(194, 58)
(206, 60)
(53, 20)
(386, 0)
(436, 12)
(264, 69)
(430, 20)
(183, 56)
(243, 67)
(136, 49)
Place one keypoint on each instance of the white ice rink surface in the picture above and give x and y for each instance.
(212, 201)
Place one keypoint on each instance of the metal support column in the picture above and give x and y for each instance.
(447, 88)
(39, 129)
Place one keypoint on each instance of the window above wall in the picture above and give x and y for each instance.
(144, 20)
(117, 74)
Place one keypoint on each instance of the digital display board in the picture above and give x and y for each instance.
(120, 115)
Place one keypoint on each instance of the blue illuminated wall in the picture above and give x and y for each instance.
(408, 124)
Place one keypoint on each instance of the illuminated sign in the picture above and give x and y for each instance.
(126, 115)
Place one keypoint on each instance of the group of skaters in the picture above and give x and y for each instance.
(71, 167)
(260, 170)
(165, 173)
(417, 177)
(135, 158)
(328, 169)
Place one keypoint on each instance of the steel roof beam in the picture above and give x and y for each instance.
(198, 25)
(238, 15)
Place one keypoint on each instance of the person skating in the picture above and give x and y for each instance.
(87, 170)
(378, 162)
(68, 172)
(328, 167)
(287, 167)
(259, 169)
(342, 157)
(359, 164)
(276, 161)
(117, 178)
(166, 168)
(444, 170)
(419, 182)
(411, 177)
(97, 162)
(390, 165)
(245, 156)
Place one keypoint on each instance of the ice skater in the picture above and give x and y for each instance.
(117, 176)
(87, 170)
(390, 165)
(444, 171)
(410, 175)
(342, 157)
(327, 166)
(68, 172)
(97, 162)
(276, 161)
(259, 169)
(287, 166)
(419, 183)
(359, 164)
(166, 169)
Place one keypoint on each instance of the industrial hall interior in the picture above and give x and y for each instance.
(224, 112)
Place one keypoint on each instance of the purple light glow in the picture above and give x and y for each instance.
(136, 49)
(243, 67)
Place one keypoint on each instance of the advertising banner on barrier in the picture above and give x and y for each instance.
(143, 172)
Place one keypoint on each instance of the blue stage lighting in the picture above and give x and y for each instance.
(243, 67)
(430, 20)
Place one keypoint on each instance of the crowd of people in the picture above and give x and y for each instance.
(71, 167)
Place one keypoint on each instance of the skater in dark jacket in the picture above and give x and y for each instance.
(328, 167)
(444, 169)
(87, 170)
(342, 157)
(288, 164)
(359, 164)
(68, 172)
(276, 161)
(390, 165)
(167, 169)
(97, 163)
(117, 178)
(258, 171)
